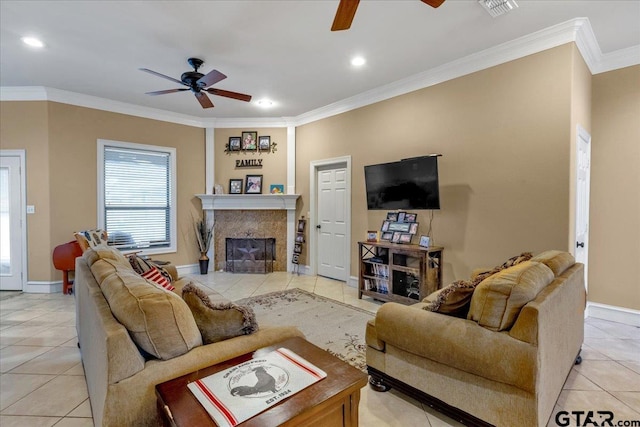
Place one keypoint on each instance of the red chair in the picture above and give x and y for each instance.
(64, 258)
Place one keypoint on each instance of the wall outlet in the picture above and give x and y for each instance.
(31, 209)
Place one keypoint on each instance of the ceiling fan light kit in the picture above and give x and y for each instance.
(199, 84)
(498, 7)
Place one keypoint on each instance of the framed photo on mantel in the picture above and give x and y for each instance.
(253, 184)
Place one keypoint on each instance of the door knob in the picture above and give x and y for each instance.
(318, 226)
(580, 244)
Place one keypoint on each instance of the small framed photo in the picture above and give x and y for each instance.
(234, 143)
(372, 236)
(405, 238)
(235, 186)
(301, 224)
(401, 216)
(414, 228)
(250, 141)
(410, 217)
(386, 236)
(424, 241)
(299, 238)
(253, 184)
(385, 226)
(392, 216)
(297, 248)
(295, 258)
(396, 237)
(276, 189)
(264, 143)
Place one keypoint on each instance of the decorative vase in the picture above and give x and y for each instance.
(204, 263)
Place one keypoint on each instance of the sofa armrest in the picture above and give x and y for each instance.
(459, 343)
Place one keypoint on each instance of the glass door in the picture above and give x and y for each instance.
(10, 224)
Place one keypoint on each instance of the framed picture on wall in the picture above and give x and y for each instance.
(264, 143)
(254, 184)
(392, 216)
(250, 141)
(234, 143)
(301, 224)
(297, 248)
(410, 217)
(235, 186)
(295, 258)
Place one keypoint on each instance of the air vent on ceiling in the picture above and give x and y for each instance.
(498, 7)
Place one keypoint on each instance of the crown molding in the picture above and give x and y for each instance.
(577, 30)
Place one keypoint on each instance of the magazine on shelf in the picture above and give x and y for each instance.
(243, 391)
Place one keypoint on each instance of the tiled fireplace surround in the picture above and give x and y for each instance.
(252, 215)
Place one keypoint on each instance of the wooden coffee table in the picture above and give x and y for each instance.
(332, 401)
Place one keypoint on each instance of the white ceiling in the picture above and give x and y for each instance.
(282, 50)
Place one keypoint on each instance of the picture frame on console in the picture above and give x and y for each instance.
(235, 185)
(253, 184)
(414, 228)
(405, 238)
(386, 236)
(424, 241)
(396, 237)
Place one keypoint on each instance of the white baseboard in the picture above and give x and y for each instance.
(41, 287)
(353, 282)
(613, 313)
(183, 270)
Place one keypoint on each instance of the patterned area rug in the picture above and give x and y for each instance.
(331, 325)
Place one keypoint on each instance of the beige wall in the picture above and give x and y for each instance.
(61, 144)
(615, 196)
(274, 165)
(504, 134)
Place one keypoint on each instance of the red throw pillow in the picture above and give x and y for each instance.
(155, 276)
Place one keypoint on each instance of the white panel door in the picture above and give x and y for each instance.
(332, 223)
(10, 224)
(583, 172)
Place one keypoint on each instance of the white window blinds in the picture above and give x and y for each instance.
(137, 197)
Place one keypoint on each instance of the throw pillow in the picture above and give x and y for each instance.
(156, 277)
(143, 266)
(453, 299)
(91, 238)
(218, 322)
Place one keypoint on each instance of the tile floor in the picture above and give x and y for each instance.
(42, 379)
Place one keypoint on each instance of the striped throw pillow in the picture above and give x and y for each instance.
(155, 276)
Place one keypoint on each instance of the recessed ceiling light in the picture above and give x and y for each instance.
(265, 103)
(358, 61)
(32, 41)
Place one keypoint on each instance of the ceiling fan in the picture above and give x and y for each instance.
(347, 10)
(199, 84)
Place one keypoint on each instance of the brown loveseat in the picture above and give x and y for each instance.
(121, 373)
(503, 364)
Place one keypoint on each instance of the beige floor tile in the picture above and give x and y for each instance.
(15, 334)
(618, 330)
(609, 375)
(615, 348)
(634, 366)
(560, 416)
(52, 336)
(581, 400)
(14, 387)
(75, 422)
(577, 381)
(55, 361)
(58, 397)
(436, 419)
(82, 411)
(22, 316)
(390, 409)
(21, 421)
(590, 353)
(73, 342)
(630, 398)
(77, 369)
(15, 355)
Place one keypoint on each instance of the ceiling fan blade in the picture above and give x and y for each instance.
(211, 78)
(433, 3)
(155, 73)
(344, 15)
(162, 92)
(203, 99)
(229, 94)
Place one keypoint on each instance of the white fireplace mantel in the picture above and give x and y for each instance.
(248, 201)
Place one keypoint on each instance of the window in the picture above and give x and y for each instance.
(136, 196)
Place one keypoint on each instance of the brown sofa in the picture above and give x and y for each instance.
(121, 374)
(503, 364)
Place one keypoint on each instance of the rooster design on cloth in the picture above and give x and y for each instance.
(258, 381)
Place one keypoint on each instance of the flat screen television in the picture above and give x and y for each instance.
(407, 184)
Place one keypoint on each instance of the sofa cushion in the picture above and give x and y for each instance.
(453, 299)
(557, 261)
(218, 321)
(497, 300)
(159, 322)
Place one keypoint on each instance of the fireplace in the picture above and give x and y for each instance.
(250, 255)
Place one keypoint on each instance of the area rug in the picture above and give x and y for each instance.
(331, 325)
